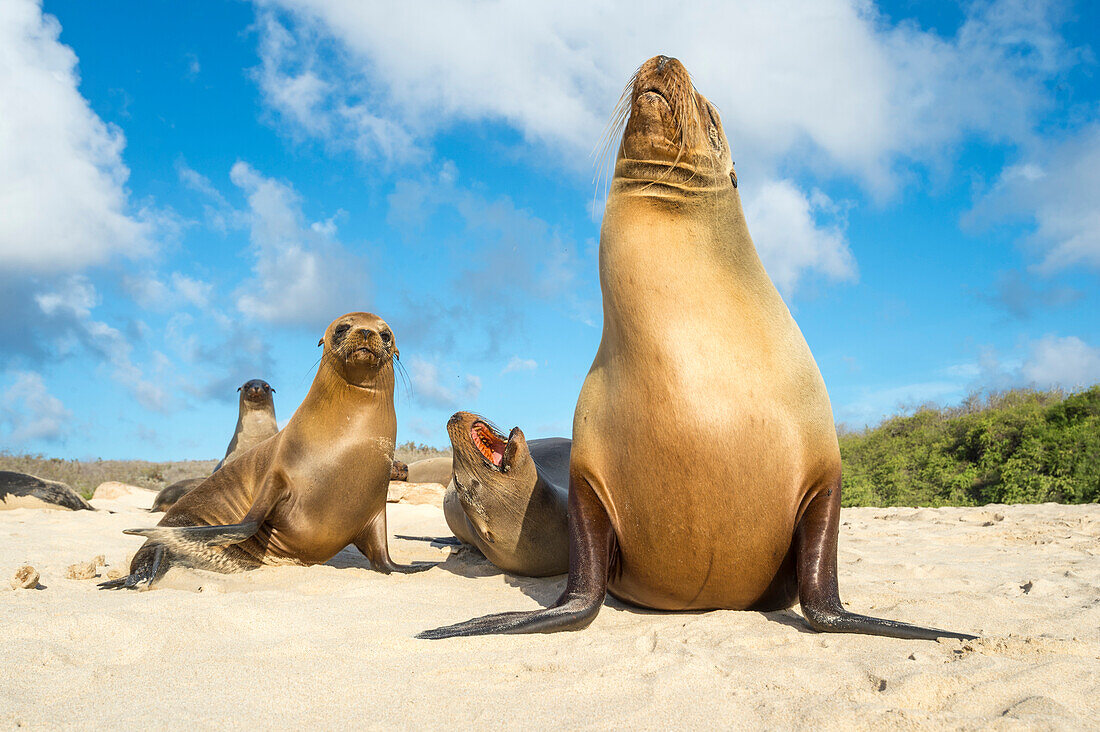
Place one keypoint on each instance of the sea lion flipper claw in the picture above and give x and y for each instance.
(200, 536)
(818, 591)
(148, 567)
(592, 553)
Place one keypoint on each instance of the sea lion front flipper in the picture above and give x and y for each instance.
(148, 567)
(818, 592)
(372, 542)
(185, 537)
(592, 548)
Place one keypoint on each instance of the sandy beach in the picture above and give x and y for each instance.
(332, 645)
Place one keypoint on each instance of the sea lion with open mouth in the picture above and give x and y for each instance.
(705, 471)
(508, 497)
(309, 491)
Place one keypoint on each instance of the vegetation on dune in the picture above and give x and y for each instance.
(410, 452)
(1020, 446)
(85, 475)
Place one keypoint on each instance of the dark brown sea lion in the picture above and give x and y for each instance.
(309, 491)
(508, 497)
(19, 490)
(255, 419)
(705, 470)
(399, 471)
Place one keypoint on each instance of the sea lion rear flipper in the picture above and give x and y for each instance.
(592, 550)
(198, 536)
(149, 565)
(818, 592)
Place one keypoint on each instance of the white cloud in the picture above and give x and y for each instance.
(301, 275)
(789, 238)
(519, 364)
(152, 293)
(71, 303)
(1065, 362)
(430, 387)
(837, 80)
(1056, 189)
(62, 179)
(29, 412)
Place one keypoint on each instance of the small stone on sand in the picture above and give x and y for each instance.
(81, 571)
(26, 578)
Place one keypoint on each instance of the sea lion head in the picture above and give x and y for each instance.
(361, 348)
(256, 393)
(487, 466)
(673, 142)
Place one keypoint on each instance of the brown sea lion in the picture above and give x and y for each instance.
(431, 470)
(255, 423)
(705, 470)
(309, 491)
(255, 419)
(508, 497)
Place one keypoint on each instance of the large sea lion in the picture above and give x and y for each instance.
(255, 423)
(508, 497)
(255, 419)
(705, 470)
(306, 493)
(19, 490)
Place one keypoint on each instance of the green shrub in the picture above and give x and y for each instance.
(1019, 446)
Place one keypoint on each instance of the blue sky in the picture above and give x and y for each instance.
(190, 192)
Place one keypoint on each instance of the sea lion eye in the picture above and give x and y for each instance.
(386, 336)
(341, 330)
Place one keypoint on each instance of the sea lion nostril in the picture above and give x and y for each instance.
(661, 61)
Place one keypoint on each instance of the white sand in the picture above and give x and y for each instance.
(332, 647)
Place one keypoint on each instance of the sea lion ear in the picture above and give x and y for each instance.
(507, 461)
(321, 342)
(239, 388)
(396, 353)
(272, 389)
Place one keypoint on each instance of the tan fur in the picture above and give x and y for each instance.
(703, 425)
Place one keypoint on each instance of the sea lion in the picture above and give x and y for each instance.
(255, 423)
(399, 471)
(309, 491)
(255, 419)
(705, 471)
(19, 490)
(431, 470)
(169, 495)
(508, 497)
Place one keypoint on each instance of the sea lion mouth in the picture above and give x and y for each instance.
(488, 443)
(655, 93)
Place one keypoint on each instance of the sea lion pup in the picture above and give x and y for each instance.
(255, 419)
(309, 491)
(508, 497)
(255, 423)
(705, 470)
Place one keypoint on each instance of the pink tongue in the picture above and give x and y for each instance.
(497, 457)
